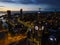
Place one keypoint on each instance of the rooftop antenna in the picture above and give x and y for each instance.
(39, 10)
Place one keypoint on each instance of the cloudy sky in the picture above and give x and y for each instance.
(28, 5)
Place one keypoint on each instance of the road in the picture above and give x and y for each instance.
(9, 39)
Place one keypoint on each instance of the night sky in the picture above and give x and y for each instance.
(27, 5)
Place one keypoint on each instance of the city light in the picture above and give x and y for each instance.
(29, 22)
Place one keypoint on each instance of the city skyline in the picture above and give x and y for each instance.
(28, 5)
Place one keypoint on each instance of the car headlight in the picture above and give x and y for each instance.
(52, 38)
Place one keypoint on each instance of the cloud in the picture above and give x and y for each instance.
(2, 6)
(55, 3)
(33, 1)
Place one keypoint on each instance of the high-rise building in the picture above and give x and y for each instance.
(21, 12)
(8, 13)
(38, 16)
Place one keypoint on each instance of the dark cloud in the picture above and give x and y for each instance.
(55, 3)
(33, 1)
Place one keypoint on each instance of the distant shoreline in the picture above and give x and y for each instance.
(27, 11)
(13, 12)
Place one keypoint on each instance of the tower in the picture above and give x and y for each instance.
(21, 12)
(8, 13)
(39, 9)
(38, 16)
